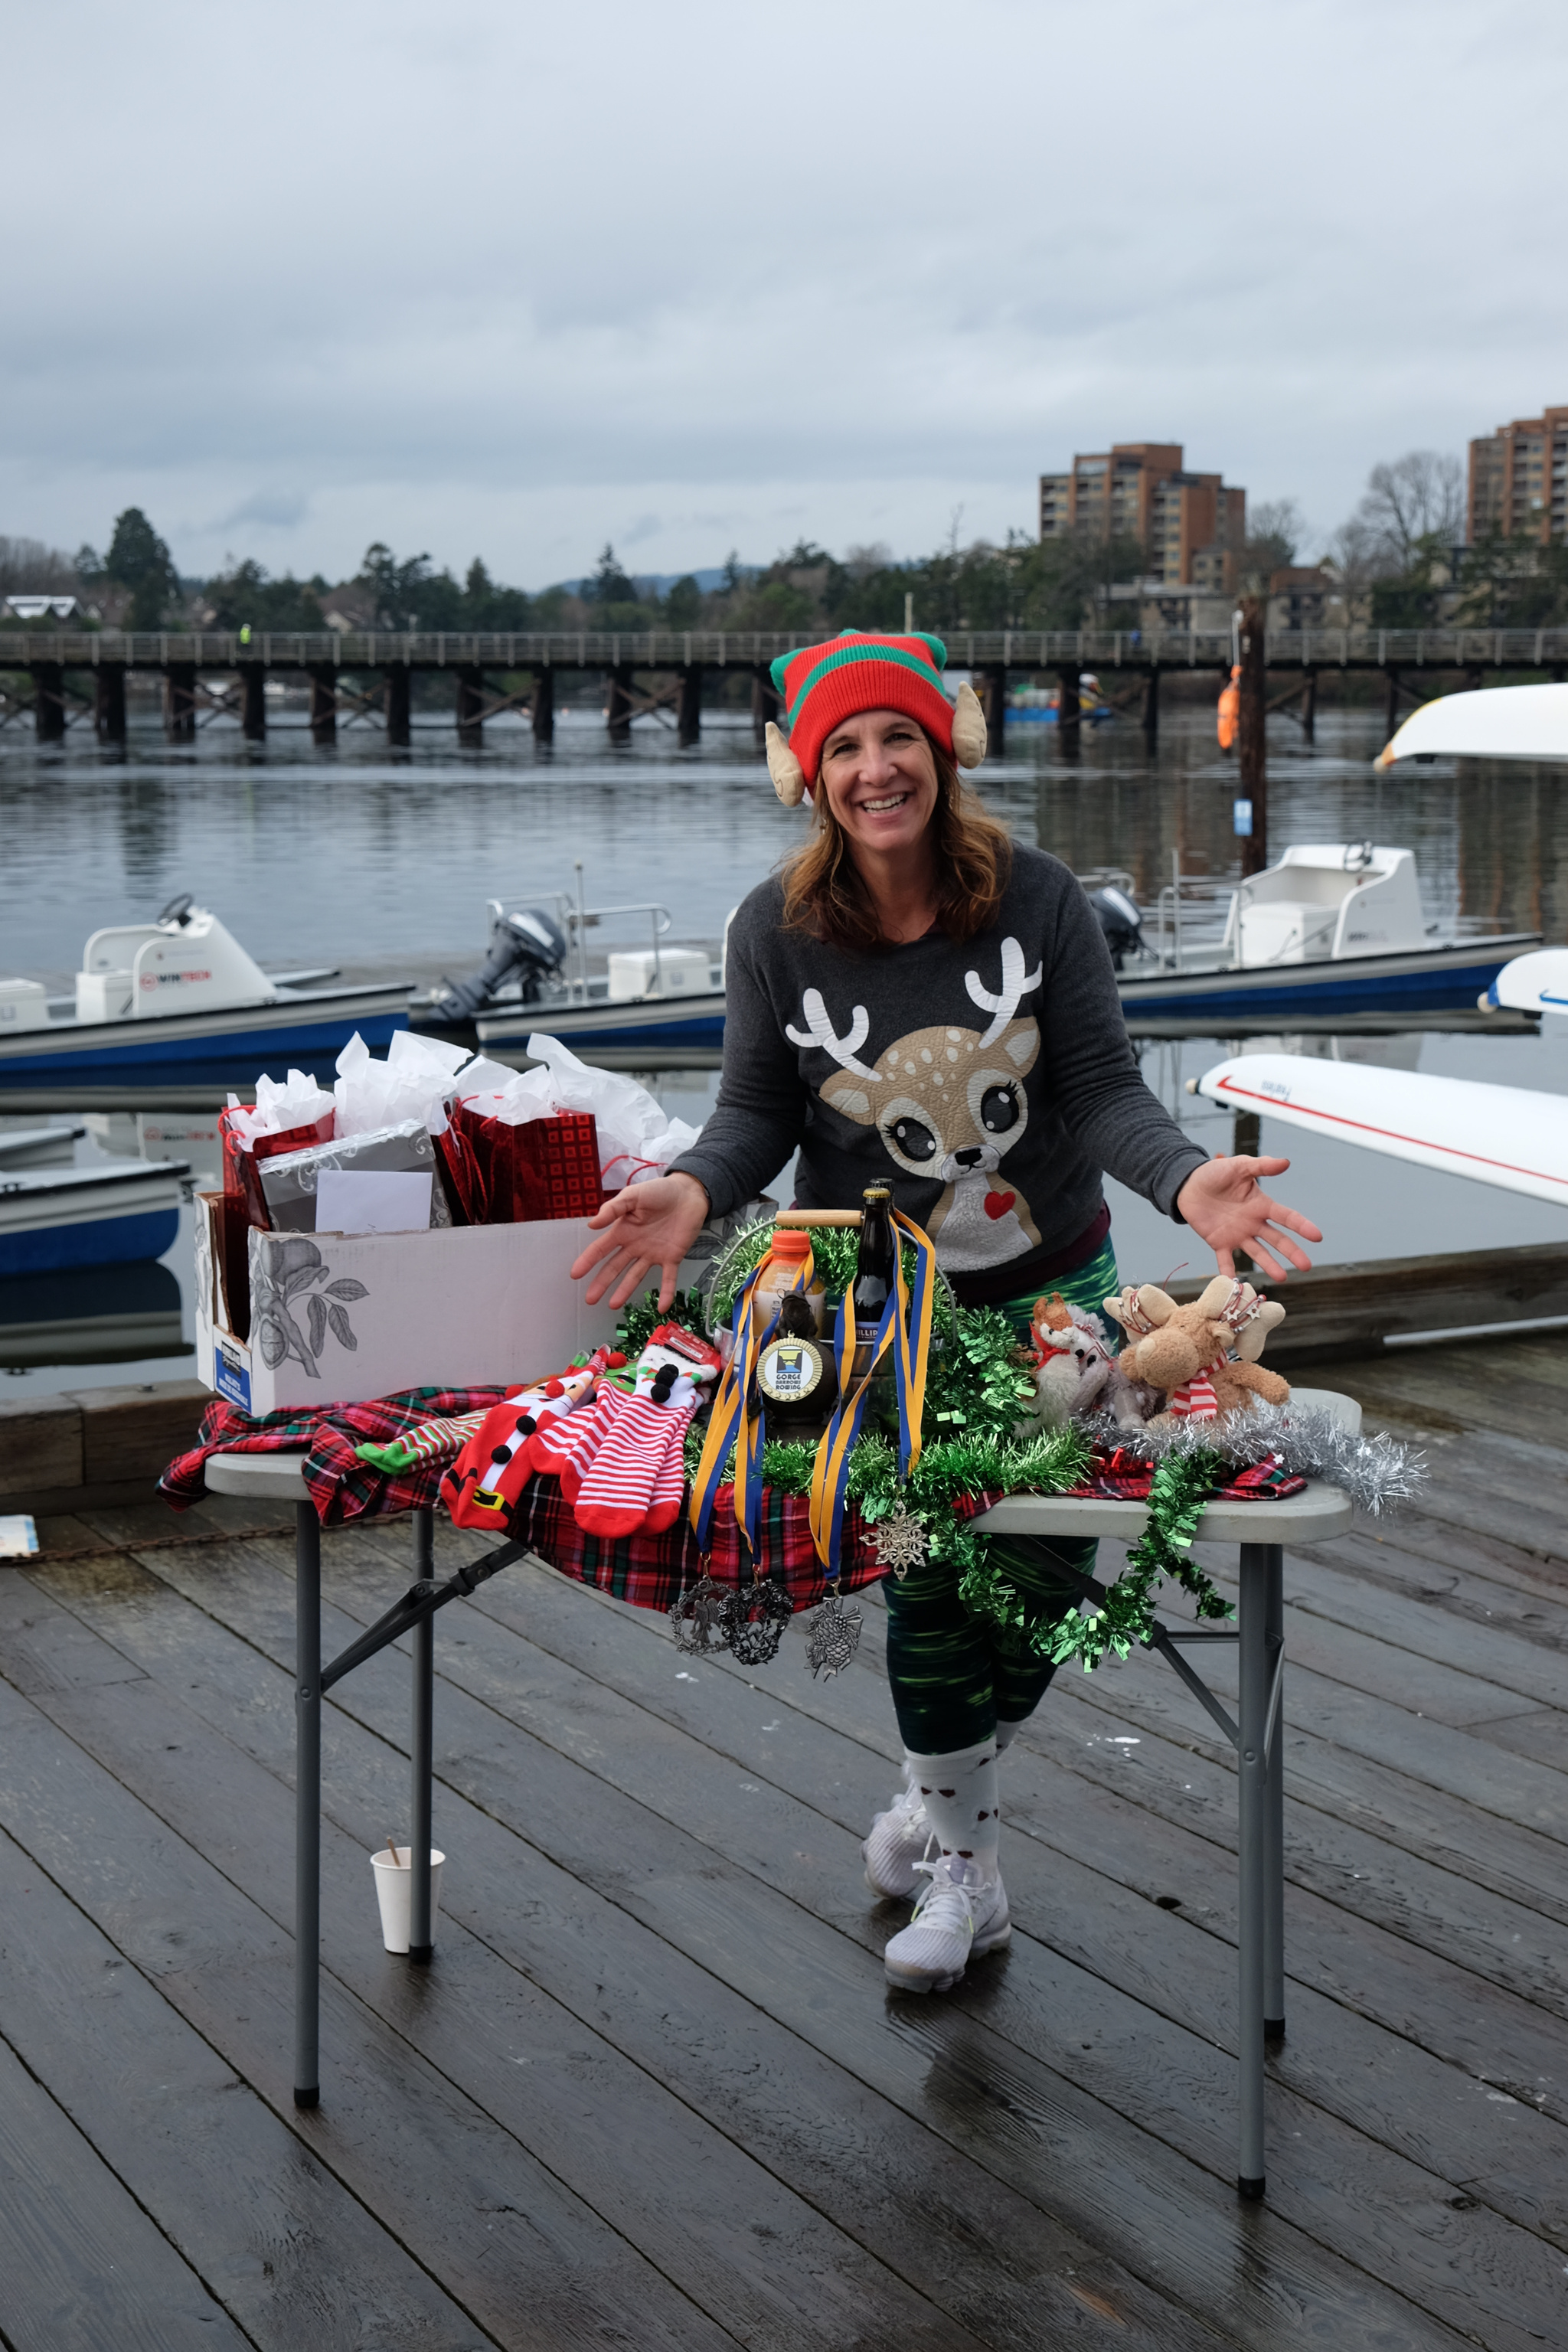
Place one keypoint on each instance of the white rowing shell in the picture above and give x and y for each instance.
(1497, 722)
(1537, 982)
(1506, 1136)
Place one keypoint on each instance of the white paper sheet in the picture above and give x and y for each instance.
(371, 1201)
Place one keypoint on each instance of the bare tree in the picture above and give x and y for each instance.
(1420, 497)
(29, 568)
(1275, 530)
(861, 562)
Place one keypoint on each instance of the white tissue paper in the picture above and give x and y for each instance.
(417, 1080)
(638, 1138)
(298, 1101)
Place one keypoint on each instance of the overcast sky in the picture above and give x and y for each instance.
(483, 278)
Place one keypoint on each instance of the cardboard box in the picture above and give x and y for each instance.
(337, 1317)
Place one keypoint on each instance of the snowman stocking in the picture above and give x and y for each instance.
(636, 1477)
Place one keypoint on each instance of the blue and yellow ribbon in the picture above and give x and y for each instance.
(737, 1418)
(905, 1328)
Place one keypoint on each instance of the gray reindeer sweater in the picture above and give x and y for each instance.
(989, 1084)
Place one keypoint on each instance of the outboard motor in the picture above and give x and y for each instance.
(1119, 920)
(527, 945)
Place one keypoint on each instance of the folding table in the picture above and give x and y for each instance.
(1261, 1529)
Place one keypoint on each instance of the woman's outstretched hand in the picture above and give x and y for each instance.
(647, 1225)
(1226, 1206)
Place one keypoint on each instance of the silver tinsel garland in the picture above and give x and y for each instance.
(1375, 1472)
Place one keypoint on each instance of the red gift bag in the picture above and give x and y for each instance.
(241, 1179)
(501, 1175)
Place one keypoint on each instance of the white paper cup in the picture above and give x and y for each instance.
(394, 1892)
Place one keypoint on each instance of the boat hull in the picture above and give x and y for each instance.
(1426, 980)
(118, 1240)
(316, 1023)
(96, 1215)
(672, 1021)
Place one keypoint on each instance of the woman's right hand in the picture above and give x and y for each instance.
(649, 1224)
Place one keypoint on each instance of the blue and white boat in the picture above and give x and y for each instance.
(165, 996)
(1332, 929)
(105, 1213)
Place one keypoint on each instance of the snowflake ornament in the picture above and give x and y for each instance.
(900, 1542)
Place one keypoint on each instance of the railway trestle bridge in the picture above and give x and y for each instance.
(66, 678)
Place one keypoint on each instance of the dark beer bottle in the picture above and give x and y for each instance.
(795, 1374)
(876, 1281)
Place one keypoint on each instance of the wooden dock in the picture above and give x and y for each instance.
(79, 677)
(653, 2092)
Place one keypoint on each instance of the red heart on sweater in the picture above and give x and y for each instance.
(998, 1203)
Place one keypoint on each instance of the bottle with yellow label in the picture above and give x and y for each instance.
(797, 1386)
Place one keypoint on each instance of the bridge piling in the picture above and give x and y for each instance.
(109, 702)
(48, 701)
(399, 723)
(180, 701)
(619, 710)
(993, 697)
(323, 677)
(1151, 705)
(253, 703)
(764, 704)
(688, 710)
(470, 705)
(1069, 709)
(544, 704)
(1391, 703)
(1310, 708)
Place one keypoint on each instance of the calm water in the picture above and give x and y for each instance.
(381, 861)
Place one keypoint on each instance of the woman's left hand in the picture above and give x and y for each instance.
(1226, 1206)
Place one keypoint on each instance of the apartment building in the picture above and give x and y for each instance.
(1519, 480)
(1190, 526)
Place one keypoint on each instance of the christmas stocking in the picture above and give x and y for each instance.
(483, 1485)
(433, 1441)
(637, 1476)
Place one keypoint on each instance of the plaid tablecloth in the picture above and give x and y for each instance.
(341, 1486)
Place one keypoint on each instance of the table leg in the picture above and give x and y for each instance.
(1252, 1905)
(421, 1940)
(1274, 1803)
(307, 1804)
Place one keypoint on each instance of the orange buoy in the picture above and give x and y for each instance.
(1228, 715)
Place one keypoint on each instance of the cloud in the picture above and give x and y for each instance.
(547, 281)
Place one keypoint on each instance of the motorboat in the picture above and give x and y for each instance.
(1041, 706)
(1536, 983)
(652, 999)
(103, 1213)
(37, 1146)
(1331, 928)
(176, 992)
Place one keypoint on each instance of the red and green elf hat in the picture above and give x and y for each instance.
(822, 685)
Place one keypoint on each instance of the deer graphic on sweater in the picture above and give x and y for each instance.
(948, 1104)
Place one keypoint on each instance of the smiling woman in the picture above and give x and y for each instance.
(921, 1003)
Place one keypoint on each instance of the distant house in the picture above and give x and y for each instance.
(1299, 597)
(350, 607)
(38, 608)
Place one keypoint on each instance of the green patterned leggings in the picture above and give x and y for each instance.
(949, 1682)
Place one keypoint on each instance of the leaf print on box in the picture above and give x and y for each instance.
(293, 1275)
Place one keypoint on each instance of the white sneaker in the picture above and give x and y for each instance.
(899, 1838)
(959, 1917)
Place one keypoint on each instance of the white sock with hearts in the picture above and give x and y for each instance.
(959, 1795)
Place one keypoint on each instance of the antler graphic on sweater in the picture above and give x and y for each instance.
(819, 1024)
(1015, 983)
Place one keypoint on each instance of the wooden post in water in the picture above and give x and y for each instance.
(688, 710)
(109, 702)
(399, 701)
(1252, 734)
(253, 703)
(620, 699)
(544, 704)
(1309, 708)
(471, 703)
(180, 701)
(323, 677)
(1391, 703)
(1151, 705)
(1069, 721)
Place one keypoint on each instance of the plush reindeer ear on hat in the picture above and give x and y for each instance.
(968, 729)
(788, 775)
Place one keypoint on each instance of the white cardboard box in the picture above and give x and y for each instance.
(337, 1317)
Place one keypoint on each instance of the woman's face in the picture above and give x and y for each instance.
(879, 777)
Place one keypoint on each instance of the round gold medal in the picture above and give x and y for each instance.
(789, 1370)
